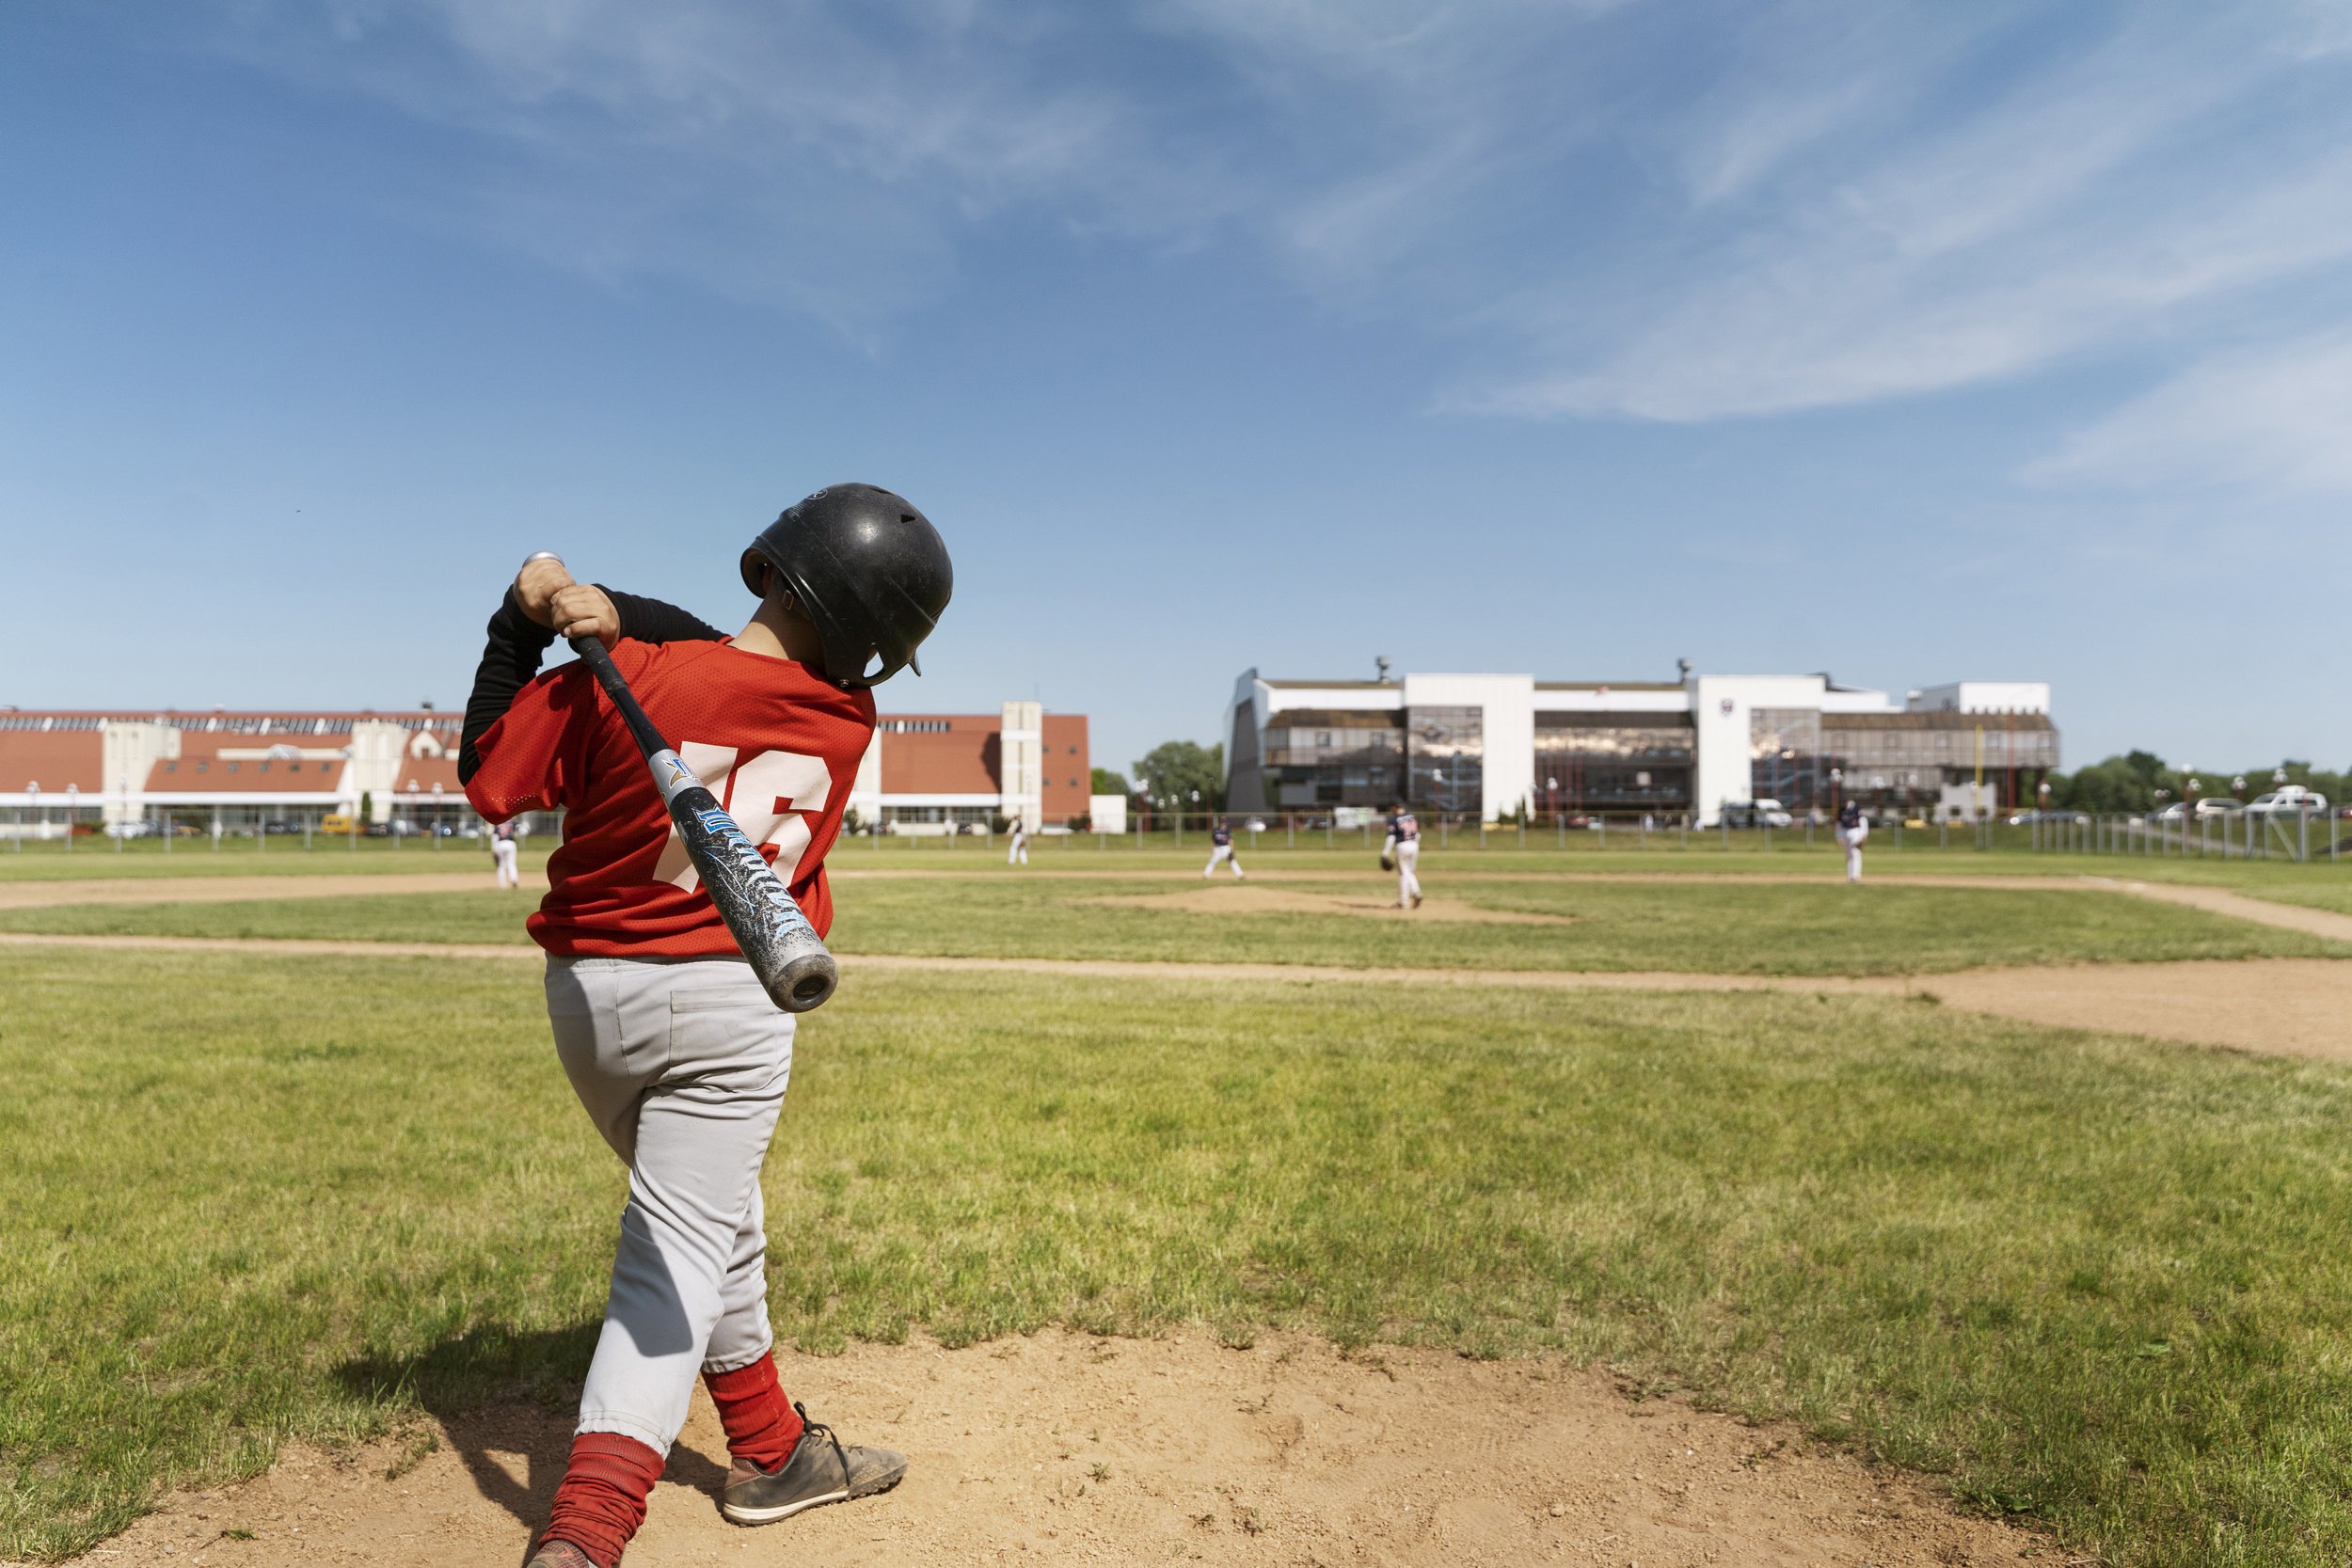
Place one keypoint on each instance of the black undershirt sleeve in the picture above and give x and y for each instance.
(652, 621)
(510, 658)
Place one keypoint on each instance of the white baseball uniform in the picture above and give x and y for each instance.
(1405, 847)
(1221, 853)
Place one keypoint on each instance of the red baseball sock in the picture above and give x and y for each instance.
(603, 1499)
(760, 1422)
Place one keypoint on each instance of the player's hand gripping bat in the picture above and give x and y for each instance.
(785, 950)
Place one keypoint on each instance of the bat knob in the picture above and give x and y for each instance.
(805, 983)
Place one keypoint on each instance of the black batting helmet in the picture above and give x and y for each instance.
(868, 569)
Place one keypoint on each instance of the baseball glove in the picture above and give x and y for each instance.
(1388, 861)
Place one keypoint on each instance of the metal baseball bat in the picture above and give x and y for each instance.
(783, 948)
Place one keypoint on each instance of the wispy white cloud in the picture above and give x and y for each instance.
(2273, 421)
(822, 157)
(1679, 214)
(2089, 208)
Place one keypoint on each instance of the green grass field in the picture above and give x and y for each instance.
(2098, 1283)
(1708, 928)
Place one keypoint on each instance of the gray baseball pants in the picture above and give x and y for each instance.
(682, 1066)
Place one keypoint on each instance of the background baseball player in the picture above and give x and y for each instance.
(674, 1048)
(1853, 831)
(1017, 843)
(1405, 849)
(502, 855)
(1221, 851)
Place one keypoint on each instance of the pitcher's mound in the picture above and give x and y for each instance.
(1061, 1449)
(1249, 898)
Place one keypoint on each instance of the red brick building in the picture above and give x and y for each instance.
(923, 773)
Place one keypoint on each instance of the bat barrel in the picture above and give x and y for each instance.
(804, 984)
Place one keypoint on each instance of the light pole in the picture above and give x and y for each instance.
(73, 804)
(437, 818)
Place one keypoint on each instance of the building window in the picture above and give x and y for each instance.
(1446, 755)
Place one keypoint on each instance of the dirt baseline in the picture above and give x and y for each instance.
(1065, 1449)
(2276, 1006)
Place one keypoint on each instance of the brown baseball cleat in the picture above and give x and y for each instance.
(819, 1469)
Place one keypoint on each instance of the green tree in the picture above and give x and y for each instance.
(1176, 770)
(1109, 780)
(2113, 786)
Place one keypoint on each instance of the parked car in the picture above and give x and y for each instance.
(2218, 805)
(2288, 801)
(1758, 813)
(2027, 819)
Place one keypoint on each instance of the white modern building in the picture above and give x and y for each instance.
(1491, 745)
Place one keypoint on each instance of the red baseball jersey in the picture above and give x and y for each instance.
(778, 747)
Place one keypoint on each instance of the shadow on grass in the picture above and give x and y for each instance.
(499, 1393)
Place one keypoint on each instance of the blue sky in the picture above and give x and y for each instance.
(1907, 343)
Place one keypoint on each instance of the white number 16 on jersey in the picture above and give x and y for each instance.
(773, 797)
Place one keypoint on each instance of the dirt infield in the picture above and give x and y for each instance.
(1246, 898)
(2237, 906)
(230, 890)
(1065, 1449)
(2277, 1007)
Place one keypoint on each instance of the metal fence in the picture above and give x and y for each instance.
(2241, 835)
(2283, 835)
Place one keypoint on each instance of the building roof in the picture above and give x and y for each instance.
(961, 759)
(1336, 686)
(213, 775)
(53, 759)
(232, 721)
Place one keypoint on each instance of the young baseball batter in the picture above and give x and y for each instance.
(1853, 831)
(1221, 851)
(1405, 848)
(675, 1050)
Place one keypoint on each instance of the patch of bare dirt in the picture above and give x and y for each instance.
(1248, 898)
(227, 890)
(1063, 1449)
(2279, 1006)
